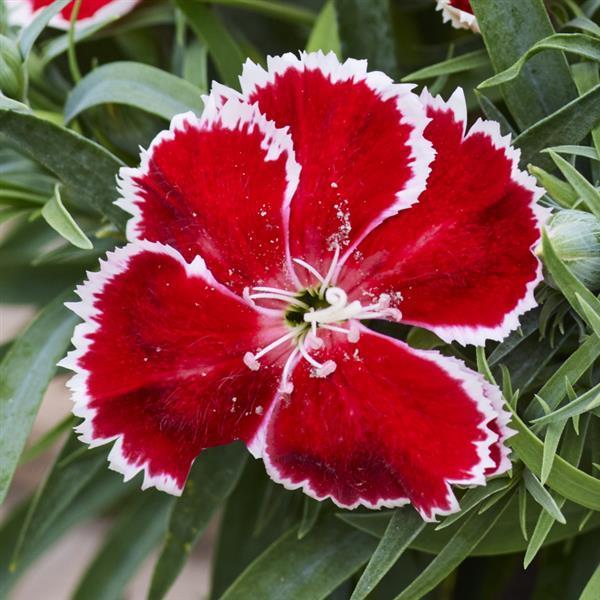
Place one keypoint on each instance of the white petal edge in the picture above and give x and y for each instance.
(225, 107)
(478, 336)
(20, 13)
(485, 397)
(502, 421)
(460, 19)
(409, 107)
(116, 262)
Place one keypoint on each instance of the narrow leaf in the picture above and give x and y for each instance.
(325, 35)
(25, 372)
(58, 217)
(568, 125)
(458, 64)
(310, 514)
(582, 45)
(134, 84)
(31, 32)
(133, 537)
(403, 528)
(212, 478)
(466, 539)
(222, 47)
(309, 568)
(86, 169)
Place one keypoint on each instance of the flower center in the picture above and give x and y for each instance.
(309, 311)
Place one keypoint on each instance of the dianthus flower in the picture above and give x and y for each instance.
(21, 12)
(459, 13)
(264, 235)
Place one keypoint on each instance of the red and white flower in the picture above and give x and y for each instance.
(91, 12)
(459, 13)
(263, 235)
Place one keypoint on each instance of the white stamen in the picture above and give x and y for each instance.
(309, 268)
(251, 360)
(281, 298)
(287, 387)
(275, 291)
(332, 268)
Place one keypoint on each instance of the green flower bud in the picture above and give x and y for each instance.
(575, 236)
(12, 73)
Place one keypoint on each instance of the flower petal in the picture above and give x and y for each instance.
(499, 451)
(159, 363)
(459, 13)
(391, 425)
(358, 137)
(463, 257)
(218, 186)
(21, 12)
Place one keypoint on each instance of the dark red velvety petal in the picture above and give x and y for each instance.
(159, 363)
(391, 425)
(91, 11)
(218, 186)
(358, 138)
(462, 258)
(461, 5)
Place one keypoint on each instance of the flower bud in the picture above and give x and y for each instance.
(575, 236)
(12, 73)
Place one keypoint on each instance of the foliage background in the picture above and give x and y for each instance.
(75, 108)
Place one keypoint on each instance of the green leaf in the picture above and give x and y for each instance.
(324, 35)
(212, 478)
(47, 440)
(564, 478)
(309, 568)
(551, 441)
(104, 489)
(592, 587)
(568, 125)
(58, 217)
(31, 32)
(569, 285)
(582, 45)
(584, 24)
(560, 191)
(403, 528)
(585, 190)
(473, 530)
(86, 169)
(223, 49)
(74, 467)
(25, 372)
(310, 514)
(134, 84)
(587, 402)
(280, 10)
(10, 104)
(583, 151)
(572, 370)
(239, 543)
(493, 113)
(473, 498)
(509, 29)
(458, 64)
(542, 497)
(136, 533)
(365, 28)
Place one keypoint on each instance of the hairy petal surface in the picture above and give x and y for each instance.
(20, 12)
(218, 186)
(463, 258)
(391, 425)
(159, 363)
(358, 138)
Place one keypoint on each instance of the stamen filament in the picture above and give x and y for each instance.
(309, 268)
(332, 268)
(281, 298)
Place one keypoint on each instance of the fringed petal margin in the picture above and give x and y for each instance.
(159, 363)
(391, 425)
